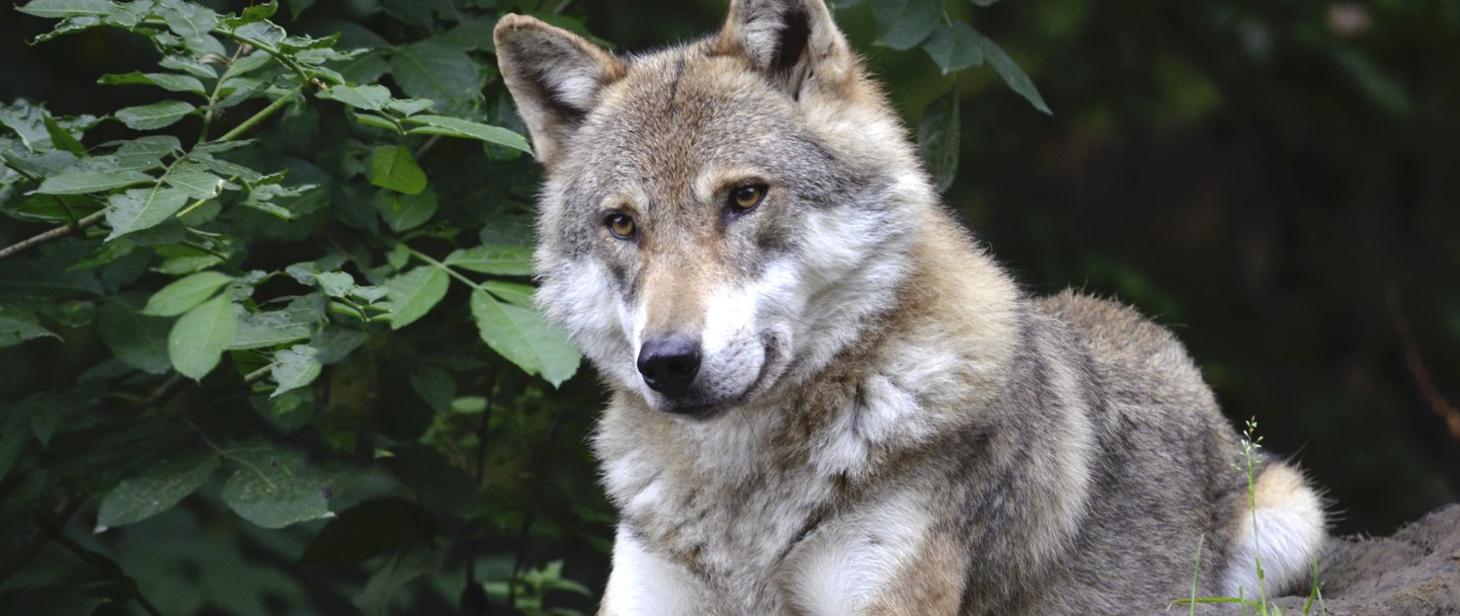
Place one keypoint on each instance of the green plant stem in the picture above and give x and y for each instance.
(445, 268)
(213, 96)
(262, 115)
(259, 374)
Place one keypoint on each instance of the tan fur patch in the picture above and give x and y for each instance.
(931, 583)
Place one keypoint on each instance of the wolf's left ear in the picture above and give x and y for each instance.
(554, 76)
(792, 42)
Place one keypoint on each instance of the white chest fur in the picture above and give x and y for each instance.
(754, 515)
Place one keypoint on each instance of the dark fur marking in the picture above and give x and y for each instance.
(794, 36)
(679, 63)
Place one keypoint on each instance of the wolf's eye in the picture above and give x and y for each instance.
(745, 197)
(621, 225)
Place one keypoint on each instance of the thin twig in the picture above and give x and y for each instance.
(1421, 372)
(426, 147)
(101, 564)
(96, 217)
(471, 561)
(163, 392)
(42, 534)
(528, 518)
(55, 233)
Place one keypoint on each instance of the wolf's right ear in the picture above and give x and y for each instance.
(554, 76)
(791, 42)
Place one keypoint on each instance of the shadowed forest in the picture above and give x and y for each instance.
(311, 381)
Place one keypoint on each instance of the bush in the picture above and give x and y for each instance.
(265, 294)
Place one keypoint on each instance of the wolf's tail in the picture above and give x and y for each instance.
(1286, 529)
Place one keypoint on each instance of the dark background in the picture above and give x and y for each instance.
(1278, 181)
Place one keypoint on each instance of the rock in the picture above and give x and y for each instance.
(1414, 572)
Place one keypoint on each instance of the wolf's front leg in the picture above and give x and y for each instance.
(885, 559)
(644, 583)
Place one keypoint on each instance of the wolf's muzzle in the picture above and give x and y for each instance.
(669, 364)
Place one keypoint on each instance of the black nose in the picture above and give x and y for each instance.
(669, 364)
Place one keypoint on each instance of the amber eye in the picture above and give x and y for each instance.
(744, 198)
(621, 225)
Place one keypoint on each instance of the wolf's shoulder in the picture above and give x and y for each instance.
(1107, 325)
(1128, 348)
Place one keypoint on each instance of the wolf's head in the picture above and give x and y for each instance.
(718, 218)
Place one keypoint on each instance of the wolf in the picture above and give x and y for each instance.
(825, 396)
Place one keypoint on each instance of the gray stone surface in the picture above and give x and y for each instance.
(1416, 571)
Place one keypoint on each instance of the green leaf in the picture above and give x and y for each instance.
(412, 561)
(224, 168)
(335, 284)
(142, 208)
(985, 3)
(412, 294)
(498, 259)
(146, 153)
(171, 82)
(405, 212)
(198, 339)
(105, 254)
(369, 98)
(257, 12)
(156, 489)
(274, 487)
(154, 116)
(136, 339)
(184, 294)
(15, 331)
(55, 209)
(410, 106)
(514, 293)
(375, 121)
(398, 256)
(334, 344)
(196, 181)
(261, 34)
(294, 367)
(187, 19)
(368, 294)
(435, 386)
(68, 8)
(954, 48)
(79, 182)
(188, 65)
(63, 139)
(436, 70)
(524, 338)
(455, 127)
(938, 139)
(395, 168)
(266, 329)
(902, 24)
(1010, 71)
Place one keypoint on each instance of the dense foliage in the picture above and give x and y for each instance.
(293, 286)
